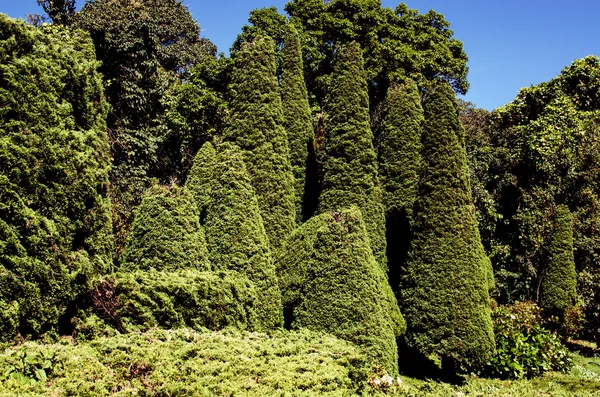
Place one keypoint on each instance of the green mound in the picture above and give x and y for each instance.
(331, 282)
(187, 363)
(186, 298)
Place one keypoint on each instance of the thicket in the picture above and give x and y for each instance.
(331, 282)
(445, 296)
(55, 215)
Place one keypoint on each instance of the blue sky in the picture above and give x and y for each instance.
(510, 43)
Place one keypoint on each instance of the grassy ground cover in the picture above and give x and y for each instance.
(236, 363)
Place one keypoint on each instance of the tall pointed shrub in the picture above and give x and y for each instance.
(350, 167)
(256, 126)
(297, 120)
(331, 282)
(236, 236)
(445, 296)
(559, 283)
(200, 178)
(399, 162)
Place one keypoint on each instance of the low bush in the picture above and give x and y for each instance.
(186, 298)
(524, 347)
(188, 363)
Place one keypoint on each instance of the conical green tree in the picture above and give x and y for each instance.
(445, 297)
(256, 126)
(399, 162)
(166, 233)
(331, 282)
(236, 236)
(559, 284)
(200, 177)
(297, 119)
(350, 167)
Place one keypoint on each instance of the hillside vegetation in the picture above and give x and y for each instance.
(314, 214)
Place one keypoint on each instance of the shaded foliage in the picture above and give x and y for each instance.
(399, 163)
(298, 124)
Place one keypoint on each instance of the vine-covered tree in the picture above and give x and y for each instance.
(559, 283)
(445, 296)
(55, 215)
(298, 123)
(236, 236)
(399, 163)
(143, 46)
(256, 126)
(331, 282)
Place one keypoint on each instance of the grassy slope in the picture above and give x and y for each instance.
(227, 363)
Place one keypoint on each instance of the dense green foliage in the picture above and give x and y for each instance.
(399, 164)
(445, 293)
(331, 282)
(559, 282)
(400, 148)
(297, 122)
(188, 363)
(235, 234)
(144, 46)
(524, 347)
(397, 43)
(350, 164)
(256, 126)
(200, 178)
(527, 158)
(166, 233)
(183, 298)
(55, 228)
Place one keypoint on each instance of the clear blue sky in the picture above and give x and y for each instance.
(510, 43)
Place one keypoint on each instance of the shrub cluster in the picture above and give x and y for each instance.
(524, 348)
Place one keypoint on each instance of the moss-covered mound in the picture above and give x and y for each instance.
(187, 363)
(55, 217)
(187, 298)
(166, 233)
(331, 282)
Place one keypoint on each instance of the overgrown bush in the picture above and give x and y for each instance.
(186, 298)
(524, 348)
